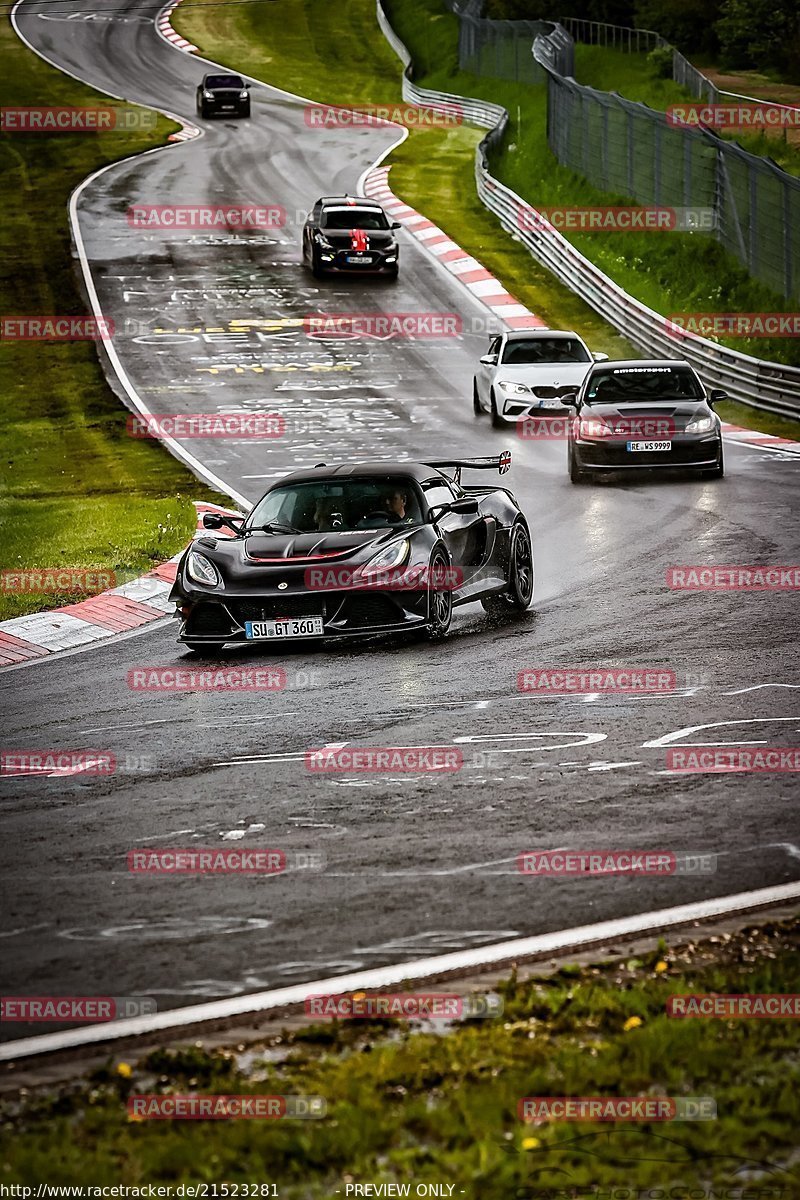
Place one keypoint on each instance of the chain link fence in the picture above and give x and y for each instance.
(630, 150)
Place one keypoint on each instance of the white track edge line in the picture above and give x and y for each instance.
(424, 968)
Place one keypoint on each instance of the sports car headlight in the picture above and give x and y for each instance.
(207, 95)
(514, 388)
(323, 241)
(392, 556)
(700, 425)
(243, 94)
(202, 570)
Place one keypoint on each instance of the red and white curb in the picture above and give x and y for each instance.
(486, 289)
(118, 610)
(491, 293)
(164, 27)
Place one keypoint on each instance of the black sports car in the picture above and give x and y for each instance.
(223, 94)
(642, 414)
(352, 234)
(344, 551)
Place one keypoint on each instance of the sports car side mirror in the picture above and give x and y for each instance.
(465, 504)
(715, 395)
(489, 360)
(395, 225)
(218, 520)
(598, 356)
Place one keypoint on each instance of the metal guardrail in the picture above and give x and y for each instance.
(755, 382)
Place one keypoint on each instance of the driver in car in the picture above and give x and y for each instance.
(395, 503)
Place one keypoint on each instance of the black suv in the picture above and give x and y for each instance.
(350, 233)
(223, 94)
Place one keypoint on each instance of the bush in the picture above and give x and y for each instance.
(687, 24)
(660, 62)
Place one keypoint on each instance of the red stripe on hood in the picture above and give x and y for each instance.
(359, 240)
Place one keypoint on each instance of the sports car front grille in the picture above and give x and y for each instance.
(370, 609)
(209, 619)
(304, 605)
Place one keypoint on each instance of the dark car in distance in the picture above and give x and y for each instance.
(354, 550)
(350, 234)
(643, 415)
(219, 94)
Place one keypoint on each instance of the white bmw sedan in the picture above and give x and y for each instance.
(528, 370)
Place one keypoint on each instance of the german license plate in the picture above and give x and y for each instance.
(636, 446)
(359, 258)
(285, 627)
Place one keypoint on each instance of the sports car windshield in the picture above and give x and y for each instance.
(353, 218)
(224, 81)
(545, 350)
(341, 505)
(633, 385)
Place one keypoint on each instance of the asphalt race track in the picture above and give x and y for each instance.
(413, 864)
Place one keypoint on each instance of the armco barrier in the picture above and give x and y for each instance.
(770, 386)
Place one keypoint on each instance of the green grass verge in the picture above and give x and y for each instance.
(296, 46)
(76, 491)
(410, 1107)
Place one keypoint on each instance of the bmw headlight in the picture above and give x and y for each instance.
(514, 388)
(701, 425)
(391, 556)
(202, 570)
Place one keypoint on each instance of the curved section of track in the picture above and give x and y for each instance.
(414, 864)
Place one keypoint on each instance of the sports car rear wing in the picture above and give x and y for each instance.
(501, 463)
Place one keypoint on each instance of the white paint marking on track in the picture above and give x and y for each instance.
(476, 958)
(668, 738)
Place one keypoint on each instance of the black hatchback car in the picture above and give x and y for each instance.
(222, 94)
(350, 234)
(643, 414)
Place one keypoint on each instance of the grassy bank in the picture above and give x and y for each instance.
(76, 491)
(409, 1106)
(634, 78)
